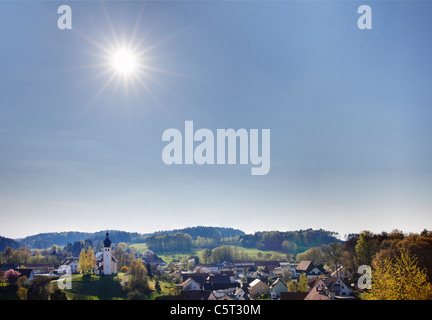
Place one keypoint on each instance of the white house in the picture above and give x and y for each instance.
(336, 288)
(309, 268)
(190, 285)
(71, 263)
(206, 268)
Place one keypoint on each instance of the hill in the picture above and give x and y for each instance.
(6, 242)
(47, 240)
(204, 232)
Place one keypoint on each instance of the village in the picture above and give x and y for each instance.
(227, 280)
(121, 271)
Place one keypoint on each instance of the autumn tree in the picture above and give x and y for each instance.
(87, 260)
(291, 286)
(399, 278)
(302, 283)
(137, 283)
(313, 254)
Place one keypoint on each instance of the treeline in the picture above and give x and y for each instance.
(23, 256)
(290, 241)
(170, 242)
(7, 242)
(205, 232)
(371, 249)
(47, 240)
(232, 253)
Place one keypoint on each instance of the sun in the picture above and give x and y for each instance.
(124, 61)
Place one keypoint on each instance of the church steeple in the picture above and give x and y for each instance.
(107, 241)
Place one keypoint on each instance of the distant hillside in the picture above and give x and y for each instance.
(46, 240)
(6, 242)
(205, 232)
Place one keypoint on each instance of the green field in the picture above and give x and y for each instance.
(95, 288)
(252, 254)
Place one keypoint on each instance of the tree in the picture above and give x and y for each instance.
(82, 263)
(90, 260)
(292, 287)
(87, 260)
(206, 255)
(22, 287)
(313, 254)
(137, 285)
(289, 246)
(40, 289)
(302, 283)
(399, 278)
(363, 248)
(332, 254)
(157, 286)
(149, 270)
(11, 276)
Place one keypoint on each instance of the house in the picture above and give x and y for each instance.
(257, 287)
(224, 294)
(206, 268)
(195, 295)
(315, 294)
(277, 287)
(336, 288)
(154, 260)
(229, 273)
(293, 295)
(193, 259)
(198, 278)
(187, 295)
(229, 294)
(342, 273)
(190, 285)
(39, 268)
(220, 286)
(219, 279)
(26, 273)
(309, 268)
(69, 265)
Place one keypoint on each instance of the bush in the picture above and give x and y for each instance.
(11, 276)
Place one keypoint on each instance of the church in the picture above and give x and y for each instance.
(107, 265)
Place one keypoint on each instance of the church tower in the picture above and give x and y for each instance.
(107, 258)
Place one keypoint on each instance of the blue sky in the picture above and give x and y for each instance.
(349, 112)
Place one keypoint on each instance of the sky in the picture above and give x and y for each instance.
(349, 112)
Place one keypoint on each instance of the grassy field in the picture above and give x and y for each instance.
(251, 253)
(95, 288)
(108, 288)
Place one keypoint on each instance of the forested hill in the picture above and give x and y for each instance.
(290, 241)
(205, 232)
(47, 240)
(6, 242)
